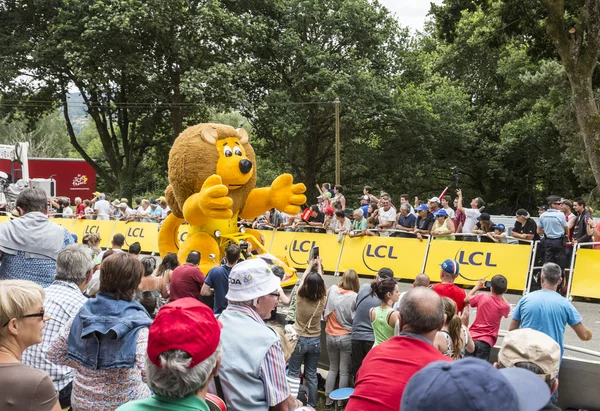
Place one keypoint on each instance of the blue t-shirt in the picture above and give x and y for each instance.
(365, 208)
(546, 311)
(553, 223)
(218, 279)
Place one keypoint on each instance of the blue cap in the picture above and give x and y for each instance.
(500, 227)
(441, 212)
(153, 202)
(451, 267)
(422, 207)
(475, 385)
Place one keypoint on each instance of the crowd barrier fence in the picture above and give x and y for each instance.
(407, 257)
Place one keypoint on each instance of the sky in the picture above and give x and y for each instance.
(410, 13)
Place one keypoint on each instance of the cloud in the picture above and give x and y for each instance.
(410, 13)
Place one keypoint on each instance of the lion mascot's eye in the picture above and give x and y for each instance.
(237, 151)
(227, 152)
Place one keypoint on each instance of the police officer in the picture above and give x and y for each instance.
(553, 226)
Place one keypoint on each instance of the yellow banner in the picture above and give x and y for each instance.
(144, 233)
(294, 248)
(366, 255)
(585, 274)
(481, 260)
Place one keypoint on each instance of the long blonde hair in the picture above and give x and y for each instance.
(349, 281)
(454, 325)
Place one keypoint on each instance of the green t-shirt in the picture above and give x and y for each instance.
(156, 403)
(359, 225)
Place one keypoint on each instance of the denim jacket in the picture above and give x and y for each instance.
(104, 333)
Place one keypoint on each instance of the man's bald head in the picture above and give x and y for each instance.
(421, 311)
(422, 280)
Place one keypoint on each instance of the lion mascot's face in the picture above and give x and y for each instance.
(233, 166)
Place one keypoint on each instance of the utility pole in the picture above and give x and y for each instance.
(337, 142)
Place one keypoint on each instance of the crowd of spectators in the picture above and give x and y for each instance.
(95, 329)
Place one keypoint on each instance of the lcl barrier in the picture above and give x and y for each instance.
(407, 257)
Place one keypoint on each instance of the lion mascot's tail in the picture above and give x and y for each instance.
(168, 236)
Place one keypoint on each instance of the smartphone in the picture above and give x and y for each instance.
(314, 253)
(488, 284)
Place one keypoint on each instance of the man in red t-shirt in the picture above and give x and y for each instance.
(490, 310)
(387, 368)
(447, 288)
(80, 207)
(187, 279)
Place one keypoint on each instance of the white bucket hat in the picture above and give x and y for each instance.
(251, 279)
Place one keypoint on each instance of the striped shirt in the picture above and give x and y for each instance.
(272, 369)
(62, 303)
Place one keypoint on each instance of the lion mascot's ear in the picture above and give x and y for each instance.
(210, 135)
(243, 135)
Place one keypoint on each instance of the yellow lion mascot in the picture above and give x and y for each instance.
(212, 176)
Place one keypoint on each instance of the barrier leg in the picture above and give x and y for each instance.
(426, 254)
(531, 267)
(571, 273)
(337, 266)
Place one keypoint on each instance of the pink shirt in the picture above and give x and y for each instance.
(490, 310)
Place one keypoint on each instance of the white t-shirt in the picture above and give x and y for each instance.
(450, 212)
(103, 208)
(471, 219)
(386, 217)
(67, 212)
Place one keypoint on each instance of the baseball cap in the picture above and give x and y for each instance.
(527, 345)
(553, 199)
(96, 193)
(116, 203)
(500, 227)
(251, 279)
(543, 207)
(422, 207)
(329, 210)
(161, 198)
(440, 213)
(153, 202)
(185, 324)
(484, 217)
(451, 266)
(474, 384)
(566, 202)
(434, 200)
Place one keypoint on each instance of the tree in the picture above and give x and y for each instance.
(578, 45)
(126, 59)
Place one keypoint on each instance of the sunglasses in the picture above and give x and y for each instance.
(40, 314)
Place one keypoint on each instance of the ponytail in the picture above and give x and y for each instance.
(454, 325)
(380, 288)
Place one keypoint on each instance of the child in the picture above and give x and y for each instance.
(148, 301)
(498, 234)
(490, 310)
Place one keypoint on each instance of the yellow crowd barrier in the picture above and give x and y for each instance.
(405, 256)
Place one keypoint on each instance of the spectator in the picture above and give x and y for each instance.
(142, 212)
(149, 302)
(406, 221)
(94, 283)
(79, 207)
(183, 356)
(279, 272)
(339, 311)
(421, 280)
(433, 204)
(365, 200)
(135, 249)
(446, 207)
(593, 229)
(459, 218)
(383, 317)
(89, 211)
(63, 300)
(472, 213)
(30, 244)
(443, 227)
(124, 212)
(580, 234)
(359, 226)
(362, 330)
(341, 224)
(461, 386)
(154, 285)
(316, 219)
(498, 234)
(338, 201)
(166, 267)
(483, 228)
(23, 319)
(329, 219)
(117, 243)
(424, 221)
(542, 209)
(252, 371)
(155, 213)
(525, 227)
(566, 207)
(165, 209)
(367, 192)
(388, 367)
(106, 341)
(553, 225)
(453, 340)
(387, 217)
(67, 211)
(447, 288)
(93, 240)
(533, 351)
(102, 208)
(137, 203)
(187, 280)
(546, 311)
(217, 280)
(310, 304)
(490, 310)
(404, 199)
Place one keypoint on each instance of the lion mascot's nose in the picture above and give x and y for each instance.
(245, 166)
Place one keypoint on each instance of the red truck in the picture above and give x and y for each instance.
(74, 177)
